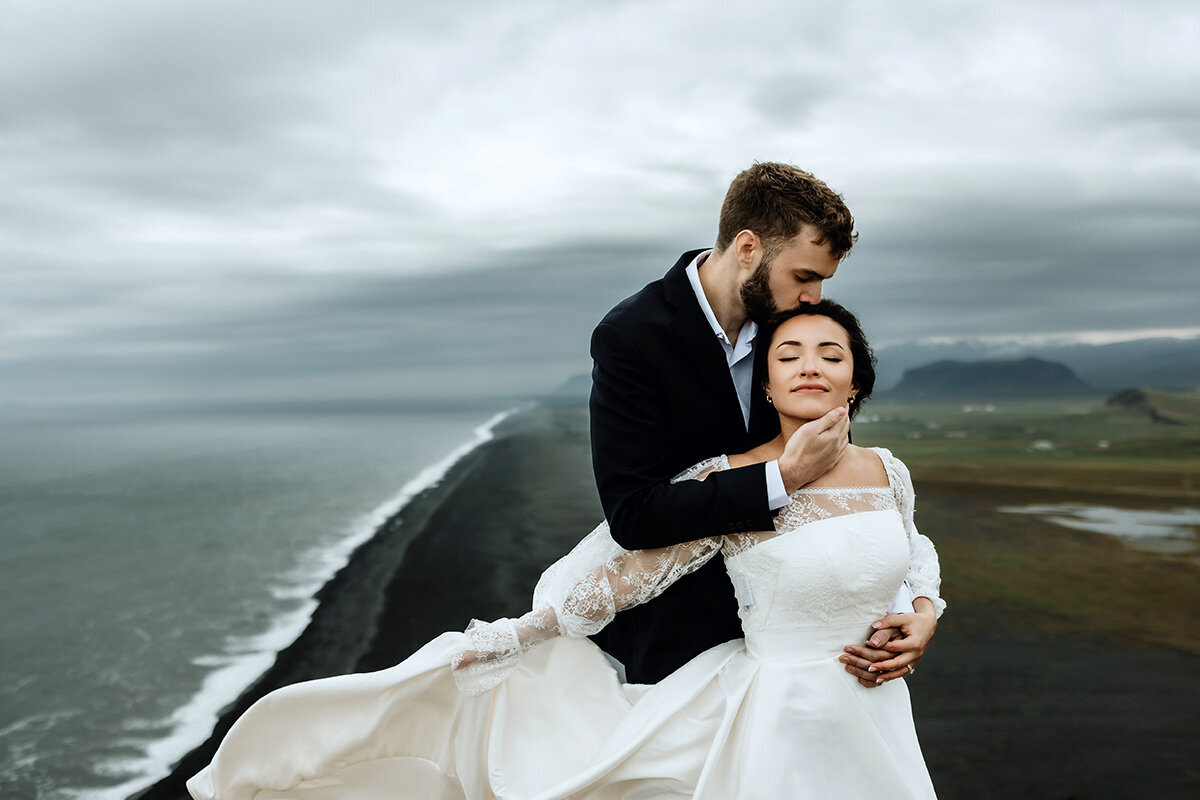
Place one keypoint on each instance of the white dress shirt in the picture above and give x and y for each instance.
(740, 358)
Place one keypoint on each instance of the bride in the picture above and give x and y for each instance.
(530, 708)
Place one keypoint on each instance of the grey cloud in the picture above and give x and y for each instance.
(230, 197)
(792, 100)
(532, 307)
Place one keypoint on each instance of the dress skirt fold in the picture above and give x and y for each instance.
(770, 716)
(563, 726)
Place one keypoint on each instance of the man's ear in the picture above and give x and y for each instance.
(748, 249)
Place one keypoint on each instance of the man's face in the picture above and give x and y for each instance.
(791, 277)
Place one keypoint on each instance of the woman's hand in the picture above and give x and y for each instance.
(893, 650)
(487, 641)
(463, 660)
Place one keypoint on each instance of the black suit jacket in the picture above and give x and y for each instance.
(662, 400)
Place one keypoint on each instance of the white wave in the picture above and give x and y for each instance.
(245, 658)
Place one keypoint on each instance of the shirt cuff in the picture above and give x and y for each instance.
(902, 603)
(777, 496)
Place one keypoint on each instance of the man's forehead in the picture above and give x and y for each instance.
(810, 250)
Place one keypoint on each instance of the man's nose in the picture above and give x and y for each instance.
(811, 294)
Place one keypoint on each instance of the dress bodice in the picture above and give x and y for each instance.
(832, 564)
(835, 558)
(838, 572)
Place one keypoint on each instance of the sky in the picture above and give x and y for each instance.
(251, 200)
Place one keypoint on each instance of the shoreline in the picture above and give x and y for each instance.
(347, 606)
(1012, 700)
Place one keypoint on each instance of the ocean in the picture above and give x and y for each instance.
(166, 517)
(152, 567)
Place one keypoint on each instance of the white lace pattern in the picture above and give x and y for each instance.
(581, 593)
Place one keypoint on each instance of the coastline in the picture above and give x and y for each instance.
(1013, 700)
(392, 595)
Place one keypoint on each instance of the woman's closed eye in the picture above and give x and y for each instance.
(830, 359)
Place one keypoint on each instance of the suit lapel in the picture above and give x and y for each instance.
(700, 344)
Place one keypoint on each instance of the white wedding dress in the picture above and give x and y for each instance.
(536, 711)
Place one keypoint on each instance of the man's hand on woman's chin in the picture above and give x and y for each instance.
(814, 449)
(899, 641)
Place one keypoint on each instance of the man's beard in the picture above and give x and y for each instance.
(756, 294)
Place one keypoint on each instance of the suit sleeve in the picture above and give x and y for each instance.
(629, 422)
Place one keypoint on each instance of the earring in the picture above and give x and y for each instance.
(769, 400)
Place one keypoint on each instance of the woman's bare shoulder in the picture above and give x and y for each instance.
(866, 467)
(859, 466)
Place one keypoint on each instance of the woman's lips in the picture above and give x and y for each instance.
(810, 388)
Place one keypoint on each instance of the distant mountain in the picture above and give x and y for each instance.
(1167, 364)
(576, 389)
(1177, 409)
(989, 380)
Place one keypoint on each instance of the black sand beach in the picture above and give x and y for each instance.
(1009, 703)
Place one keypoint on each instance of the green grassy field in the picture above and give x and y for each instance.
(1075, 445)
(968, 461)
(1053, 579)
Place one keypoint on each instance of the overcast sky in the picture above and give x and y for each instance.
(218, 187)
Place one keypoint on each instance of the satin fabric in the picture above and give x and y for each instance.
(769, 716)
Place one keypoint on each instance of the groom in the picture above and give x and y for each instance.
(672, 385)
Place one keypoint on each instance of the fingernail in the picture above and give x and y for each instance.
(872, 669)
(878, 681)
(876, 624)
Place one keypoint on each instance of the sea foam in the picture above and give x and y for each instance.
(244, 658)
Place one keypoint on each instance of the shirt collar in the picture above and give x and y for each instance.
(749, 330)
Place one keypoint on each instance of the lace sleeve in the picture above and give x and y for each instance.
(698, 472)
(924, 576)
(578, 595)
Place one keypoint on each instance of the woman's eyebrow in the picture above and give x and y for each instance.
(797, 344)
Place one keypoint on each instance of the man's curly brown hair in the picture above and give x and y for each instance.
(777, 200)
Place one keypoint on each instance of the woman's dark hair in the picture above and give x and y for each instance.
(860, 348)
